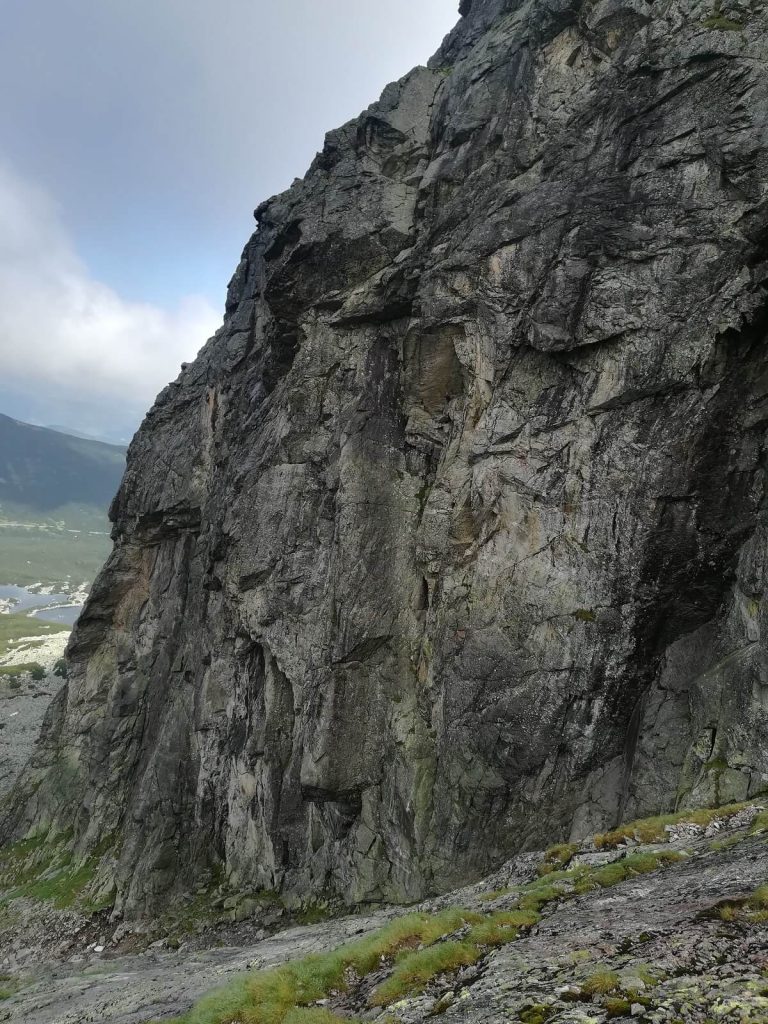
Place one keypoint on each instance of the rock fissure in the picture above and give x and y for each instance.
(452, 540)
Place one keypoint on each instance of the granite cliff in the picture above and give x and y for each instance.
(452, 541)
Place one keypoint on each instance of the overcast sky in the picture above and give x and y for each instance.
(137, 137)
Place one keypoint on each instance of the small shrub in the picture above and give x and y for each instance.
(752, 910)
(501, 928)
(600, 983)
(721, 24)
(538, 893)
(718, 845)
(9, 986)
(561, 853)
(314, 1015)
(416, 970)
(727, 910)
(557, 857)
(584, 615)
(404, 933)
(651, 830)
(537, 1014)
(620, 870)
(759, 898)
(580, 955)
(617, 1006)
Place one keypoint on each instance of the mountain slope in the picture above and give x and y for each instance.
(452, 541)
(671, 931)
(42, 470)
(55, 491)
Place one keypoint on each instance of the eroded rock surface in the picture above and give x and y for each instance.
(452, 540)
(659, 942)
(104, 989)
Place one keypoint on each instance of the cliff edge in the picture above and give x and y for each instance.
(452, 541)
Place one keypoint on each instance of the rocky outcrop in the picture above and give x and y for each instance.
(452, 540)
(679, 942)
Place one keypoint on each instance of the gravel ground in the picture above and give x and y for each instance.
(666, 922)
(22, 711)
(101, 989)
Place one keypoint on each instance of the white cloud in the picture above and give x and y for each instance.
(62, 331)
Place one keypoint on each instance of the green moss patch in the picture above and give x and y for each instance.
(17, 627)
(718, 845)
(557, 857)
(416, 970)
(721, 24)
(617, 1006)
(9, 986)
(312, 913)
(585, 615)
(43, 868)
(33, 668)
(651, 830)
(537, 1014)
(285, 995)
(600, 983)
(753, 910)
(415, 949)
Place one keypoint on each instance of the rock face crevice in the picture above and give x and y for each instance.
(451, 542)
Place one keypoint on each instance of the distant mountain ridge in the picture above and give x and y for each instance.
(42, 469)
(60, 429)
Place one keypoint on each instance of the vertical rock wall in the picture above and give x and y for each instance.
(451, 542)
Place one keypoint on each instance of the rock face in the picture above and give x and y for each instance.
(453, 541)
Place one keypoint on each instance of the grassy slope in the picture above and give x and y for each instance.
(13, 627)
(54, 493)
(414, 949)
(37, 555)
(427, 951)
(45, 470)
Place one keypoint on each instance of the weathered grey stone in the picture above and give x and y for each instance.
(452, 540)
(659, 933)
